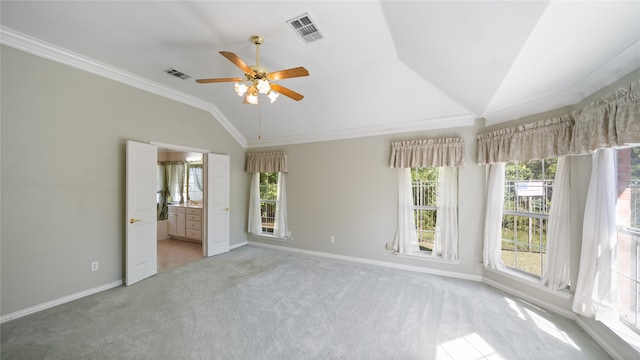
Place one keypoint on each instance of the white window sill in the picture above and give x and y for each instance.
(531, 281)
(625, 333)
(422, 255)
(268, 237)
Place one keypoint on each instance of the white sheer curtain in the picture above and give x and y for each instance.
(492, 250)
(446, 239)
(255, 219)
(406, 240)
(176, 172)
(556, 269)
(597, 288)
(280, 225)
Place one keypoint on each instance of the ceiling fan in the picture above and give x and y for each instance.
(261, 81)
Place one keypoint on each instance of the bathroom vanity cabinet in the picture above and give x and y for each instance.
(185, 222)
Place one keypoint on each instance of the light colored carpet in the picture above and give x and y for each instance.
(256, 303)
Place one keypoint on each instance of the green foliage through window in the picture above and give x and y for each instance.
(528, 188)
(268, 200)
(424, 183)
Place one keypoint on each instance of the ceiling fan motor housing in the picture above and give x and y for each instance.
(257, 39)
(260, 73)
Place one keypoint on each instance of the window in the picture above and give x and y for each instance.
(628, 226)
(424, 184)
(267, 195)
(268, 200)
(527, 199)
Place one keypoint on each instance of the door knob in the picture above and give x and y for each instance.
(226, 209)
(132, 220)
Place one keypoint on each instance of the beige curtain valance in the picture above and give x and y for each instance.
(612, 121)
(538, 140)
(427, 153)
(267, 162)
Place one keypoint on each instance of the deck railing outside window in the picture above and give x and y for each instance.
(268, 203)
(424, 200)
(524, 224)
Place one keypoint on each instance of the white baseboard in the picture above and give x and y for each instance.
(235, 246)
(60, 301)
(595, 336)
(549, 306)
(68, 298)
(371, 262)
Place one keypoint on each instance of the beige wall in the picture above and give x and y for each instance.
(63, 173)
(345, 188)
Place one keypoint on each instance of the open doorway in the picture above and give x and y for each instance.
(142, 212)
(180, 200)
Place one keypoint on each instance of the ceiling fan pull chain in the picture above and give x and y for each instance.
(259, 123)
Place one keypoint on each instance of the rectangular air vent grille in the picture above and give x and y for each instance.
(305, 28)
(177, 73)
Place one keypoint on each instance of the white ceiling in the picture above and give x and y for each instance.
(383, 67)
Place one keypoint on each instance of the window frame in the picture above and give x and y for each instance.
(265, 203)
(633, 233)
(538, 220)
(432, 189)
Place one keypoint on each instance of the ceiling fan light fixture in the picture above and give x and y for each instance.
(263, 86)
(252, 99)
(240, 89)
(252, 96)
(273, 96)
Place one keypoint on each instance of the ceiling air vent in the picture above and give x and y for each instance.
(305, 28)
(177, 73)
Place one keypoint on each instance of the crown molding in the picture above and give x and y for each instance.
(366, 131)
(45, 50)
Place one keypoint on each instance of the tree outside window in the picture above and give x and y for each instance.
(268, 200)
(424, 183)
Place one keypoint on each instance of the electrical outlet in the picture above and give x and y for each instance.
(94, 266)
(332, 239)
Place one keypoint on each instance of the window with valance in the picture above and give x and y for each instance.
(428, 195)
(599, 129)
(267, 197)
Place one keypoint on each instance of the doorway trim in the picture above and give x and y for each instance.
(203, 152)
(160, 145)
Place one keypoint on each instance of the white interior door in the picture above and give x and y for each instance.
(141, 233)
(217, 203)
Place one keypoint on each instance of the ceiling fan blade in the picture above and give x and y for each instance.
(289, 73)
(206, 81)
(237, 61)
(287, 92)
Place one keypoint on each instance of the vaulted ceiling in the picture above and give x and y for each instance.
(382, 66)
